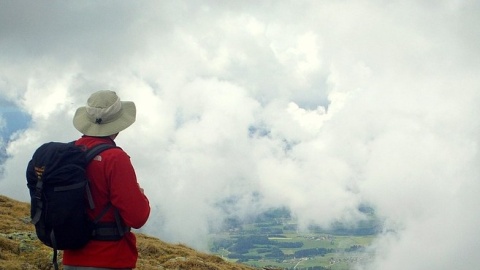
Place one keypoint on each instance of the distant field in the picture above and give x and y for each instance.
(338, 259)
(274, 241)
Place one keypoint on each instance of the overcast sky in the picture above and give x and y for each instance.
(319, 106)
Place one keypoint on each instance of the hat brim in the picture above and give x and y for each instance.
(126, 118)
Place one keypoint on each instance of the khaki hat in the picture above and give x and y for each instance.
(104, 115)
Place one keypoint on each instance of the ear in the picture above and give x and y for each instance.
(113, 136)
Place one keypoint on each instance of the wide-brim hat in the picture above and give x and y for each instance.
(104, 115)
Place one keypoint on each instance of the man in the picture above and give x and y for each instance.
(112, 181)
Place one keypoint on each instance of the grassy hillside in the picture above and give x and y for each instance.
(20, 249)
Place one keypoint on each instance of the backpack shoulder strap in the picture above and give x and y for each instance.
(120, 229)
(97, 149)
(90, 154)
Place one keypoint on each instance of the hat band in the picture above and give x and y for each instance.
(104, 115)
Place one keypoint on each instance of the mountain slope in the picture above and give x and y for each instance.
(20, 248)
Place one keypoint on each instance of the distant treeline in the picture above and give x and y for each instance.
(312, 252)
(266, 248)
(277, 254)
(245, 243)
(363, 228)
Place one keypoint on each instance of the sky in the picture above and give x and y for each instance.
(243, 106)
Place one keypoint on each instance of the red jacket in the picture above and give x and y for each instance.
(112, 179)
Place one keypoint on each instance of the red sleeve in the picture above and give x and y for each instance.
(125, 193)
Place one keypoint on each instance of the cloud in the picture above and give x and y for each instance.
(316, 106)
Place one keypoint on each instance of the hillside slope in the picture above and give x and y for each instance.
(20, 248)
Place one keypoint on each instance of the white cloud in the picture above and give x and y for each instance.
(316, 106)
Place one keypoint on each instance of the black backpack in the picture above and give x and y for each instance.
(60, 195)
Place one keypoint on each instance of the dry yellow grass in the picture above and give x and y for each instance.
(20, 248)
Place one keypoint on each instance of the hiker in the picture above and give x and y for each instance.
(112, 181)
